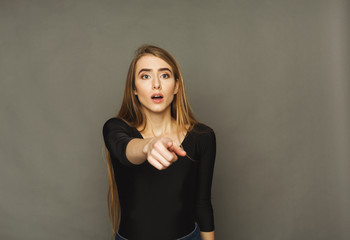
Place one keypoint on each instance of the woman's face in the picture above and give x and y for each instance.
(154, 76)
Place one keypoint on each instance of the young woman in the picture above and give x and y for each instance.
(160, 158)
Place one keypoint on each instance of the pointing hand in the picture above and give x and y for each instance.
(161, 152)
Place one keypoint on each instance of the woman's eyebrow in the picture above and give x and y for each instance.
(144, 70)
(165, 69)
(160, 69)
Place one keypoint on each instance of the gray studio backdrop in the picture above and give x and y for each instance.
(270, 77)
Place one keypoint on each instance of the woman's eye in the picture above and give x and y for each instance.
(144, 76)
(165, 75)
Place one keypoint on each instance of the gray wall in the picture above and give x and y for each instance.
(271, 78)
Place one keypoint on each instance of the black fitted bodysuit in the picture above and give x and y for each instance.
(163, 204)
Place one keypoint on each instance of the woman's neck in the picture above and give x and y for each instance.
(159, 124)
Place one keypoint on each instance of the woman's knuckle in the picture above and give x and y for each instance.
(153, 152)
(156, 144)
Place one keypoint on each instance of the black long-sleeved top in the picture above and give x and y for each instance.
(163, 204)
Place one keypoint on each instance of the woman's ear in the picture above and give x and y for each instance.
(176, 86)
(135, 93)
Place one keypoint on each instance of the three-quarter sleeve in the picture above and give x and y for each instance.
(203, 209)
(116, 135)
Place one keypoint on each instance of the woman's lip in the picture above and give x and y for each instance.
(156, 94)
(157, 100)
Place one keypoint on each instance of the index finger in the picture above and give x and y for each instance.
(178, 150)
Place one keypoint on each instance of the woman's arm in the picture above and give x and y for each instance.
(203, 210)
(135, 150)
(117, 136)
(208, 235)
(159, 151)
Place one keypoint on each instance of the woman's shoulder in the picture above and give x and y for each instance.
(202, 128)
(115, 121)
(205, 136)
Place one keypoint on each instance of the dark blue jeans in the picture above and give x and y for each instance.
(194, 235)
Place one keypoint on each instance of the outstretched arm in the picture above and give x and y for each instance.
(120, 143)
(159, 151)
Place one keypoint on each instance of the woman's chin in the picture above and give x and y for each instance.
(156, 109)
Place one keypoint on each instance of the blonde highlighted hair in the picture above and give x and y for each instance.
(131, 112)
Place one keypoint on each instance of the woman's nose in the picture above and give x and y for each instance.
(156, 83)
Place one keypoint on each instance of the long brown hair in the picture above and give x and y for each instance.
(131, 112)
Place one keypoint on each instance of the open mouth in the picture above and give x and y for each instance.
(157, 97)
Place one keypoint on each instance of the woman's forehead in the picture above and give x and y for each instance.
(151, 62)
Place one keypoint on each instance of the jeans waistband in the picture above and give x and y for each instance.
(192, 234)
(189, 236)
